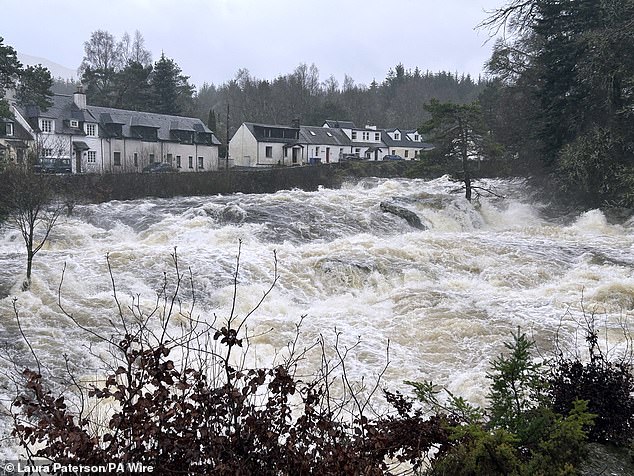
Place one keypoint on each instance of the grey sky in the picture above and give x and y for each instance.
(211, 39)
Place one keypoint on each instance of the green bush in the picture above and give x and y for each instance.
(607, 386)
(519, 433)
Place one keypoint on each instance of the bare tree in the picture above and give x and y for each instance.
(101, 52)
(133, 50)
(29, 203)
(139, 53)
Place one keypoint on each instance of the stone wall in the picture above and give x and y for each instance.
(99, 188)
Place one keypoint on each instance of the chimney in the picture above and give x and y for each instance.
(79, 97)
(295, 123)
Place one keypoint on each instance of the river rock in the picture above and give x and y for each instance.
(404, 213)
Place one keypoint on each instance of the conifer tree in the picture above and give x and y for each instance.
(172, 94)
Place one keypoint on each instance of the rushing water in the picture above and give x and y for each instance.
(446, 298)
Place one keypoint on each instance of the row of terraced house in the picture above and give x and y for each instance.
(262, 145)
(91, 139)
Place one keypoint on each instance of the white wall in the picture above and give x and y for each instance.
(243, 148)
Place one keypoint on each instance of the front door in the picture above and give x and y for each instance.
(78, 161)
(295, 154)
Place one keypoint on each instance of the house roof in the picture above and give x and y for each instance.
(405, 141)
(340, 124)
(163, 123)
(279, 133)
(64, 109)
(19, 132)
(323, 135)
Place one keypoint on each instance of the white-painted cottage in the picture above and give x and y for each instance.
(365, 143)
(266, 145)
(407, 143)
(107, 140)
(324, 145)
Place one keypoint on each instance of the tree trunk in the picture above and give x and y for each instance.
(465, 160)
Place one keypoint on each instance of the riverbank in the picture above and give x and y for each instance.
(103, 188)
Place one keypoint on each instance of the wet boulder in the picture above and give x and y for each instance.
(408, 215)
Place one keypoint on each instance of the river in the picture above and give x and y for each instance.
(446, 298)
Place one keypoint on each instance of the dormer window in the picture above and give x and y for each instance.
(74, 123)
(90, 129)
(416, 137)
(312, 133)
(366, 136)
(46, 126)
(377, 136)
(354, 135)
(9, 129)
(397, 136)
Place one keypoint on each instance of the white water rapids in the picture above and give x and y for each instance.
(446, 298)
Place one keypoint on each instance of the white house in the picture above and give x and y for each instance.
(257, 145)
(266, 145)
(324, 145)
(407, 143)
(364, 142)
(107, 140)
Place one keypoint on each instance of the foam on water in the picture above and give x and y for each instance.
(446, 298)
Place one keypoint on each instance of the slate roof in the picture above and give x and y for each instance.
(340, 124)
(64, 109)
(323, 135)
(19, 132)
(162, 122)
(287, 134)
(405, 141)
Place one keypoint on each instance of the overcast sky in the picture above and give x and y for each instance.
(211, 39)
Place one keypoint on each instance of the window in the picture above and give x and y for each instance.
(357, 151)
(269, 151)
(169, 159)
(46, 126)
(201, 162)
(9, 129)
(178, 161)
(136, 159)
(317, 150)
(47, 152)
(354, 135)
(91, 130)
(312, 133)
(366, 136)
(286, 152)
(92, 156)
(406, 153)
(151, 158)
(328, 134)
(397, 136)
(416, 137)
(191, 161)
(116, 158)
(394, 152)
(377, 136)
(74, 123)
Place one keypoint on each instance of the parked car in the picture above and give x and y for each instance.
(346, 157)
(159, 167)
(51, 165)
(392, 157)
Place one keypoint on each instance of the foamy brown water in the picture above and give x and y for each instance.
(446, 298)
